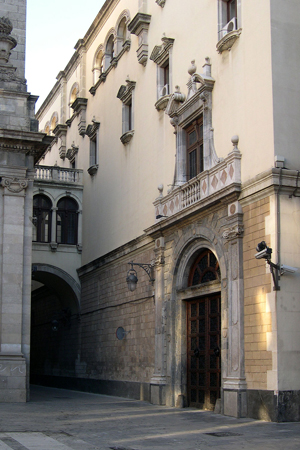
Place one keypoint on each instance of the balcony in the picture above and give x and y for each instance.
(207, 187)
(57, 174)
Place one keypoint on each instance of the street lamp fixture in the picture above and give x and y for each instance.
(132, 278)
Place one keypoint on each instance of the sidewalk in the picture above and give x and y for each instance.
(57, 419)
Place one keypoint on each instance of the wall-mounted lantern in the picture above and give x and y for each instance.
(132, 278)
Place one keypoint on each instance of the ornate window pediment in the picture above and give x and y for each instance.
(162, 56)
(184, 111)
(125, 94)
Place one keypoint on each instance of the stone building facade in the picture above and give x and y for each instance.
(170, 161)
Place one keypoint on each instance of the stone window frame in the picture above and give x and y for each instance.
(98, 63)
(228, 31)
(122, 36)
(92, 131)
(126, 95)
(74, 93)
(109, 48)
(184, 110)
(53, 122)
(162, 56)
(120, 46)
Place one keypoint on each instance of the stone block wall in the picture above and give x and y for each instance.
(106, 305)
(257, 284)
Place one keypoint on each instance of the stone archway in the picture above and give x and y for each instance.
(55, 325)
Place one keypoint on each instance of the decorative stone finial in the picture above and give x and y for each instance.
(235, 140)
(192, 69)
(7, 43)
(160, 188)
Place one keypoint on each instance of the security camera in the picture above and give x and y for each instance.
(287, 269)
(264, 252)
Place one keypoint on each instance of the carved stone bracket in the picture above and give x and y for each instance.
(79, 107)
(14, 185)
(140, 26)
(233, 232)
(161, 2)
(60, 131)
(126, 137)
(72, 152)
(228, 40)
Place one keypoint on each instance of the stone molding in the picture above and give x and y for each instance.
(79, 107)
(161, 2)
(140, 26)
(228, 40)
(60, 131)
(234, 232)
(14, 185)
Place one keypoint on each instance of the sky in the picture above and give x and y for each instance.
(53, 28)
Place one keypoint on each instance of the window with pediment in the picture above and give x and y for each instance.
(126, 95)
(162, 56)
(191, 117)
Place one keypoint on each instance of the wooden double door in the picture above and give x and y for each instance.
(204, 351)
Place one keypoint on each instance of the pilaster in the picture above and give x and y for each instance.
(234, 383)
(158, 380)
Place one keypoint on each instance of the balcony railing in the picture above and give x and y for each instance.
(58, 174)
(206, 185)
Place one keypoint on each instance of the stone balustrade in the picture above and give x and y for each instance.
(58, 174)
(204, 185)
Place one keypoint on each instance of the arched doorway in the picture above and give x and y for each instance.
(204, 334)
(55, 326)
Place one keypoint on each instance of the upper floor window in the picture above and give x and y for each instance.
(73, 95)
(231, 9)
(121, 34)
(93, 133)
(162, 56)
(98, 67)
(194, 147)
(126, 95)
(67, 221)
(109, 51)
(229, 27)
(42, 211)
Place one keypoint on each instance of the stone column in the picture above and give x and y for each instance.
(13, 312)
(234, 384)
(79, 230)
(158, 380)
(53, 243)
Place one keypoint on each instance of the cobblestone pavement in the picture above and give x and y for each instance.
(58, 419)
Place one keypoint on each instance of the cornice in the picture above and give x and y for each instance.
(269, 182)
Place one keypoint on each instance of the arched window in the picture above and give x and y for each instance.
(109, 51)
(98, 64)
(205, 268)
(121, 34)
(47, 128)
(42, 211)
(53, 121)
(66, 221)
